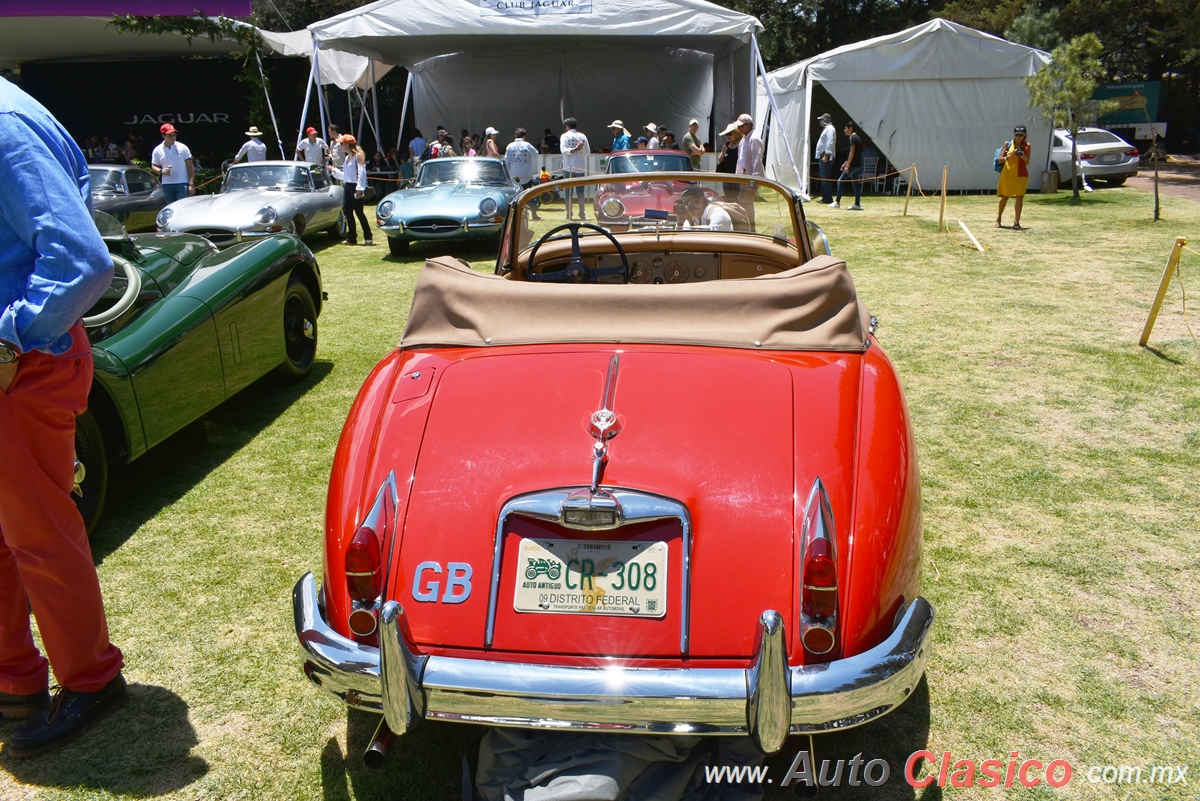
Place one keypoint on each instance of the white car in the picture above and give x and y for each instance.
(1104, 156)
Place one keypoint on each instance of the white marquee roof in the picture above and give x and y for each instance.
(409, 31)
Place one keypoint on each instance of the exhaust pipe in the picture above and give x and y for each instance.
(376, 753)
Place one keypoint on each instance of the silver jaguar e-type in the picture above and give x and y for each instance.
(453, 198)
(127, 192)
(260, 199)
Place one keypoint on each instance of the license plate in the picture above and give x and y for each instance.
(592, 577)
(1109, 158)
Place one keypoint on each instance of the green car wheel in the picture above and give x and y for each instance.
(299, 330)
(91, 469)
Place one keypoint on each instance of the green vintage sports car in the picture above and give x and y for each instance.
(182, 327)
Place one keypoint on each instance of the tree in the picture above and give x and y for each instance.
(1035, 29)
(1064, 87)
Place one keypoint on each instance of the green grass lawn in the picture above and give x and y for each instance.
(1061, 477)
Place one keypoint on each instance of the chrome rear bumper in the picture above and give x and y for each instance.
(767, 701)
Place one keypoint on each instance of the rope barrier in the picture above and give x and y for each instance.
(1183, 300)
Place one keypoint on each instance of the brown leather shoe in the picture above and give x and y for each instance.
(68, 715)
(19, 707)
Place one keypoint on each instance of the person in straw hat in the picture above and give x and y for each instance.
(254, 150)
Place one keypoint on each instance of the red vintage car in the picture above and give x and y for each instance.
(649, 481)
(625, 201)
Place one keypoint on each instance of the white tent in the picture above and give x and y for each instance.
(529, 63)
(343, 70)
(932, 95)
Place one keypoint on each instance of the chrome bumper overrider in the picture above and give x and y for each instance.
(768, 700)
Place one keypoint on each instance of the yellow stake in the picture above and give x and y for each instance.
(912, 179)
(942, 210)
(1172, 265)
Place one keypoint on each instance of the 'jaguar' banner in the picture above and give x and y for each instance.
(107, 8)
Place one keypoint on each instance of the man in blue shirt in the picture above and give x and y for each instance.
(53, 267)
(620, 136)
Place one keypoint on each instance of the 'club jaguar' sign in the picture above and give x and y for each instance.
(529, 8)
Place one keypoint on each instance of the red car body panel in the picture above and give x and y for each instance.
(739, 436)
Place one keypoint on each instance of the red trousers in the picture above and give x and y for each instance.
(44, 552)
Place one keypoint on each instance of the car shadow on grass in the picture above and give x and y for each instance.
(429, 762)
(472, 251)
(142, 750)
(892, 738)
(425, 764)
(137, 492)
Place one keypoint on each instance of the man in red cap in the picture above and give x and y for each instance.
(173, 163)
(312, 148)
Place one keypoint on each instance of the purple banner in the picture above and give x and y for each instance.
(107, 8)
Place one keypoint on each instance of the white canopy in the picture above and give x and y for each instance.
(343, 70)
(45, 38)
(932, 95)
(529, 63)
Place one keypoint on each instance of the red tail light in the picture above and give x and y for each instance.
(1086, 156)
(363, 560)
(818, 577)
(1133, 153)
(820, 580)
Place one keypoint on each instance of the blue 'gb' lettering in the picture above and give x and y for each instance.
(458, 583)
(428, 593)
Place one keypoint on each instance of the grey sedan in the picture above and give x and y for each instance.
(129, 193)
(260, 199)
(1102, 154)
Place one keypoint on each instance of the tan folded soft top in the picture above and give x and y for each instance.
(812, 307)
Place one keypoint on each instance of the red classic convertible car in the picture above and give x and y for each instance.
(623, 202)
(659, 480)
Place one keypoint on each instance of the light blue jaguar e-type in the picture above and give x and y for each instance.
(453, 198)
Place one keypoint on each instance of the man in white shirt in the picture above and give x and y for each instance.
(750, 162)
(652, 141)
(521, 158)
(824, 152)
(699, 213)
(173, 163)
(254, 150)
(312, 148)
(575, 150)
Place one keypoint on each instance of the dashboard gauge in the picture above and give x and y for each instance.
(699, 272)
(677, 272)
(640, 273)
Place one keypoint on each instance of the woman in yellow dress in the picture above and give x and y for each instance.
(1015, 175)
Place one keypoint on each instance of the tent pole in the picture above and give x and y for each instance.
(775, 111)
(320, 89)
(805, 144)
(375, 108)
(362, 113)
(754, 59)
(350, 115)
(270, 109)
(312, 73)
(403, 115)
(362, 116)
